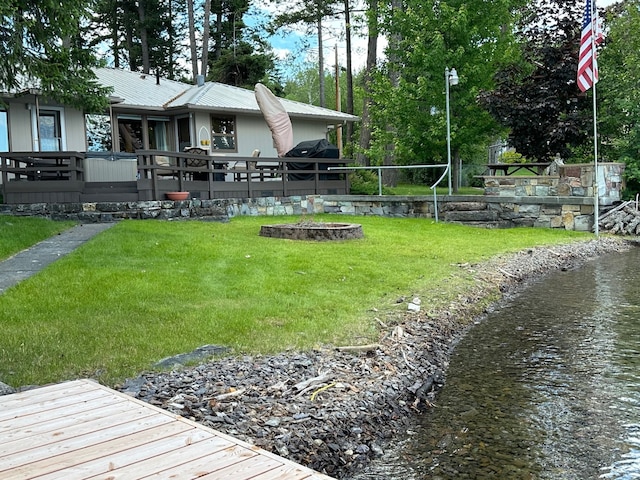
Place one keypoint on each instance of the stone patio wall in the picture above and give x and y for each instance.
(571, 213)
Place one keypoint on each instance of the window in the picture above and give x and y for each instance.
(4, 131)
(130, 134)
(47, 128)
(50, 128)
(184, 133)
(98, 133)
(158, 129)
(223, 133)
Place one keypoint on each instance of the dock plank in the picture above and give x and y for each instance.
(118, 458)
(61, 412)
(91, 428)
(244, 469)
(211, 447)
(285, 471)
(11, 412)
(81, 430)
(65, 420)
(23, 457)
(113, 454)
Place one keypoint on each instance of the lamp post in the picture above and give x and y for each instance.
(450, 78)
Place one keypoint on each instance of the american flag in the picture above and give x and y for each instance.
(592, 35)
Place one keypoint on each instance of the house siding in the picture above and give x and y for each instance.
(253, 133)
(308, 130)
(75, 131)
(22, 138)
(19, 127)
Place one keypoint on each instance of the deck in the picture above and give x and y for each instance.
(83, 430)
(79, 177)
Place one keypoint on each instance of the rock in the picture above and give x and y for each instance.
(199, 354)
(414, 305)
(6, 389)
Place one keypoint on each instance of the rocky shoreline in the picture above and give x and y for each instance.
(335, 410)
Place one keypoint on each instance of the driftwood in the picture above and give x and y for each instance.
(422, 391)
(359, 348)
(322, 377)
(507, 274)
(224, 396)
(624, 220)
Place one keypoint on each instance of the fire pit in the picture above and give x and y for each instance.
(320, 231)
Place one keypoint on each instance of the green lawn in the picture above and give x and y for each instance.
(18, 233)
(144, 290)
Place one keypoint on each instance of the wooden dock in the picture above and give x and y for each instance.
(83, 430)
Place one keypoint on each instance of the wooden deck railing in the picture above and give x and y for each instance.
(42, 177)
(42, 166)
(27, 177)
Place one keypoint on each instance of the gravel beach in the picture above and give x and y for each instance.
(335, 410)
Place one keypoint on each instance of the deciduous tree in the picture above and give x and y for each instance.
(537, 99)
(475, 37)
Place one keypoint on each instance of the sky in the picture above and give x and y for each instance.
(300, 47)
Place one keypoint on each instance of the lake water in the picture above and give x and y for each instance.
(546, 387)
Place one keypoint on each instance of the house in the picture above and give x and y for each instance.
(149, 114)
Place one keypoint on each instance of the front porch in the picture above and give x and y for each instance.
(148, 175)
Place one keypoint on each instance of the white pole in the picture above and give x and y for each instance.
(596, 193)
(596, 201)
(446, 83)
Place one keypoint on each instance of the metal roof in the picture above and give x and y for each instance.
(149, 92)
(140, 90)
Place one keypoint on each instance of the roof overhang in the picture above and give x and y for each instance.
(339, 118)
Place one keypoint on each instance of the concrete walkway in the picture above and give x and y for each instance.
(32, 260)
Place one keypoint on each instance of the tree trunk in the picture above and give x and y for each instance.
(172, 48)
(321, 61)
(192, 41)
(114, 37)
(133, 62)
(206, 29)
(350, 106)
(390, 177)
(144, 42)
(372, 54)
(217, 47)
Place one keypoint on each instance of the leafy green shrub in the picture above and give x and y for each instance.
(511, 156)
(631, 178)
(365, 182)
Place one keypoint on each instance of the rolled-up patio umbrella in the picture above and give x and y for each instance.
(277, 119)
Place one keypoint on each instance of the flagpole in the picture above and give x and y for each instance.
(596, 201)
(596, 194)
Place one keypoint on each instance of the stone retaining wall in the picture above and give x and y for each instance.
(571, 213)
(573, 180)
